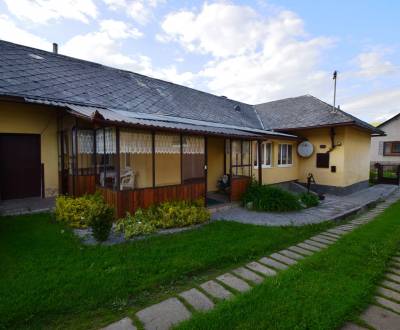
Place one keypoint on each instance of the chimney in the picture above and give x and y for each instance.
(55, 48)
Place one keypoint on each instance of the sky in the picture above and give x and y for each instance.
(251, 51)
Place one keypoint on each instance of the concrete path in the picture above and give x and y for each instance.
(332, 208)
(172, 311)
(385, 312)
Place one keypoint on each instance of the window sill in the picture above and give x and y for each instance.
(263, 166)
(286, 165)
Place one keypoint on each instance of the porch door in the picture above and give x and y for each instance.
(20, 166)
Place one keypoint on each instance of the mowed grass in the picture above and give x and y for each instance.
(321, 292)
(48, 279)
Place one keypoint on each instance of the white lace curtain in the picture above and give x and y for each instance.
(167, 144)
(85, 141)
(135, 142)
(109, 139)
(193, 145)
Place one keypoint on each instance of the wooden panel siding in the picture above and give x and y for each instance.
(239, 185)
(84, 184)
(131, 200)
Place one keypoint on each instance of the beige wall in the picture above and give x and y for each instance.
(35, 119)
(215, 162)
(168, 169)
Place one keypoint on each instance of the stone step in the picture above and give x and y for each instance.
(283, 259)
(248, 275)
(395, 307)
(389, 294)
(317, 244)
(323, 239)
(394, 270)
(392, 285)
(124, 324)
(336, 231)
(164, 315)
(261, 268)
(395, 278)
(198, 300)
(273, 263)
(234, 282)
(309, 247)
(300, 250)
(291, 254)
(216, 290)
(329, 238)
(380, 318)
(325, 233)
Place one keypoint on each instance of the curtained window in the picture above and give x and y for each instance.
(106, 157)
(193, 158)
(167, 159)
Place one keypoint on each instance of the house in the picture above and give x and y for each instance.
(70, 126)
(385, 149)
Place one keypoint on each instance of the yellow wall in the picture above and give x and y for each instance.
(168, 169)
(215, 162)
(35, 119)
(142, 166)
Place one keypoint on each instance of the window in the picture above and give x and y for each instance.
(193, 158)
(285, 157)
(323, 160)
(106, 157)
(266, 154)
(391, 148)
(241, 158)
(167, 159)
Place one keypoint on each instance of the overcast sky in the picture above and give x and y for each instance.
(252, 51)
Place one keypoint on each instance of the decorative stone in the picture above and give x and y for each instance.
(234, 282)
(273, 263)
(309, 247)
(389, 294)
(291, 254)
(388, 304)
(283, 259)
(248, 275)
(301, 250)
(124, 324)
(261, 269)
(313, 243)
(198, 300)
(163, 315)
(380, 318)
(216, 290)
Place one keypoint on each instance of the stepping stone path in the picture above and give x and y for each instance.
(168, 313)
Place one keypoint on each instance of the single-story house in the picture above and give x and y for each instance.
(69, 126)
(385, 149)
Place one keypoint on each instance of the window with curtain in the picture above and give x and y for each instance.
(266, 154)
(193, 158)
(167, 159)
(136, 159)
(285, 154)
(85, 152)
(106, 157)
(241, 157)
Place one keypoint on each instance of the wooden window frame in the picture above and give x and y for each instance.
(264, 153)
(392, 152)
(280, 153)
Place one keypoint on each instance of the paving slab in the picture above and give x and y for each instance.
(389, 293)
(392, 285)
(273, 263)
(124, 324)
(248, 275)
(393, 277)
(380, 318)
(336, 231)
(314, 243)
(386, 303)
(261, 268)
(291, 254)
(300, 250)
(352, 326)
(330, 234)
(234, 282)
(397, 259)
(309, 247)
(397, 264)
(394, 270)
(281, 258)
(321, 239)
(163, 315)
(329, 238)
(216, 290)
(197, 300)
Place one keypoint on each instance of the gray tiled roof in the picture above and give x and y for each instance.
(304, 111)
(34, 73)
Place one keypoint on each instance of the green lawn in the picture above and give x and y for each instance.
(49, 280)
(321, 292)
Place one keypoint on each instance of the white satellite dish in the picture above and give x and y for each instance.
(305, 149)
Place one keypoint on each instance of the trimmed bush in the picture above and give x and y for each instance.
(309, 200)
(270, 198)
(101, 219)
(166, 215)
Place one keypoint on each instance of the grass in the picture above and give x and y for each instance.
(322, 292)
(48, 279)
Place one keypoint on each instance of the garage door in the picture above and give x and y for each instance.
(20, 169)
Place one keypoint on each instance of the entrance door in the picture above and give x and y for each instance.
(20, 168)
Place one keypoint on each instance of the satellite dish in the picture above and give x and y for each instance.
(305, 149)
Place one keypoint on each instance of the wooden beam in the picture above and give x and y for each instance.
(259, 144)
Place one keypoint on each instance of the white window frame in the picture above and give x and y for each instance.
(264, 152)
(280, 155)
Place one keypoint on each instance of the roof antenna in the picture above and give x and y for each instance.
(334, 90)
(55, 48)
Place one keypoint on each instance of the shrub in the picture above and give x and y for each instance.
(76, 212)
(134, 225)
(101, 219)
(270, 198)
(309, 200)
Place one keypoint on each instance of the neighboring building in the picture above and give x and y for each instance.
(72, 126)
(385, 149)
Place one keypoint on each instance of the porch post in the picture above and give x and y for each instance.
(205, 168)
(259, 162)
(181, 150)
(153, 159)
(118, 165)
